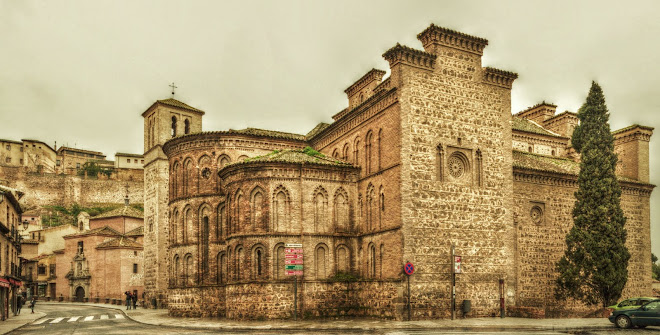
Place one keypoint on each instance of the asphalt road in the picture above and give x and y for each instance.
(72, 319)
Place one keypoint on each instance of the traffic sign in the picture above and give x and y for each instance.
(293, 261)
(457, 265)
(409, 268)
(296, 256)
(293, 267)
(293, 251)
(293, 273)
(293, 245)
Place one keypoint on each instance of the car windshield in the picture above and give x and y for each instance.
(629, 302)
(652, 306)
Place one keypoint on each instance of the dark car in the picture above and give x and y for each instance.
(647, 315)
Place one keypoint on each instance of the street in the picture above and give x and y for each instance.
(76, 319)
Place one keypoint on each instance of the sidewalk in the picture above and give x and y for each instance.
(159, 317)
(19, 320)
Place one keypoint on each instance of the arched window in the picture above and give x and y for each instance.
(356, 151)
(381, 207)
(175, 180)
(223, 160)
(257, 217)
(176, 270)
(189, 273)
(258, 262)
(371, 207)
(380, 150)
(320, 261)
(239, 262)
(341, 210)
(279, 263)
(335, 153)
(360, 262)
(186, 124)
(238, 223)
(187, 177)
(320, 210)
(281, 203)
(480, 170)
(173, 230)
(346, 151)
(372, 261)
(186, 227)
(221, 222)
(204, 213)
(368, 142)
(440, 162)
(173, 133)
(343, 259)
(221, 264)
(380, 260)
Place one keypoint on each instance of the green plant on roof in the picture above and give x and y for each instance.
(311, 152)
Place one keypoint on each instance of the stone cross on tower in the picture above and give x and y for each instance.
(173, 87)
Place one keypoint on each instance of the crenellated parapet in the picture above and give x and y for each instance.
(364, 87)
(453, 39)
(409, 56)
(499, 77)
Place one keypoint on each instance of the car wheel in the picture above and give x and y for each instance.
(623, 321)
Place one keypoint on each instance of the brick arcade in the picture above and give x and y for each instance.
(429, 157)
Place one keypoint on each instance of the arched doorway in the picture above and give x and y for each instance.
(80, 294)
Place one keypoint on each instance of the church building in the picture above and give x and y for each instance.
(423, 161)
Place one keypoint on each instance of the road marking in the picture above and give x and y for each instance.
(89, 318)
(39, 322)
(104, 317)
(74, 318)
(57, 320)
(119, 316)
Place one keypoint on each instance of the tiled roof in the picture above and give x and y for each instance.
(29, 241)
(269, 133)
(139, 231)
(105, 230)
(306, 156)
(123, 154)
(520, 124)
(631, 127)
(126, 211)
(119, 242)
(537, 162)
(319, 128)
(179, 104)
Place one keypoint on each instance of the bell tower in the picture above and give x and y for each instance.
(164, 120)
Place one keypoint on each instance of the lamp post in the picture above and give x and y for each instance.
(26, 224)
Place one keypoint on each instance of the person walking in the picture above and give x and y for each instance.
(19, 304)
(128, 300)
(32, 303)
(134, 296)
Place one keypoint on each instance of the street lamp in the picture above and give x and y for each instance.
(26, 223)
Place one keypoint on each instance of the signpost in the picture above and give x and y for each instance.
(293, 266)
(409, 269)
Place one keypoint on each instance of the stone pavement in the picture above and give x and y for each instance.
(159, 317)
(19, 320)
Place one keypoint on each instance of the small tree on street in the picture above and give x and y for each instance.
(594, 268)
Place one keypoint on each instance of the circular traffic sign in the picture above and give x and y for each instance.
(409, 268)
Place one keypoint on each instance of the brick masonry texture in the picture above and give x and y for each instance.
(428, 158)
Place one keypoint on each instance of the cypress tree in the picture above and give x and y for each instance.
(594, 268)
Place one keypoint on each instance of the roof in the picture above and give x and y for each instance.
(520, 124)
(269, 133)
(14, 196)
(123, 154)
(105, 230)
(631, 127)
(37, 141)
(80, 150)
(126, 211)
(11, 141)
(29, 241)
(319, 128)
(119, 242)
(305, 156)
(174, 103)
(538, 162)
(139, 231)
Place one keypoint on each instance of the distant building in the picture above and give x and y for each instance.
(103, 258)
(71, 160)
(10, 282)
(128, 161)
(34, 155)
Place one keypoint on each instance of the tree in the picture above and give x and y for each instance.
(655, 268)
(594, 268)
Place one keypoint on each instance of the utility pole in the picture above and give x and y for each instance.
(453, 284)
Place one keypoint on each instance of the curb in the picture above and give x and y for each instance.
(345, 329)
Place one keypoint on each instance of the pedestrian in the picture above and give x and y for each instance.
(32, 303)
(134, 296)
(19, 304)
(128, 300)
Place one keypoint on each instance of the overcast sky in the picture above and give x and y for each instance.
(82, 72)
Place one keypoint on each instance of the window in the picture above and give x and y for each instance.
(173, 133)
(135, 161)
(77, 165)
(58, 162)
(8, 147)
(80, 247)
(8, 160)
(41, 270)
(135, 269)
(21, 160)
(134, 253)
(128, 160)
(142, 161)
(186, 124)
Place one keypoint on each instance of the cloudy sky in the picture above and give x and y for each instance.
(82, 72)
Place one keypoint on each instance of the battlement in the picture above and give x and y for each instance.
(409, 56)
(499, 77)
(450, 38)
(539, 113)
(364, 87)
